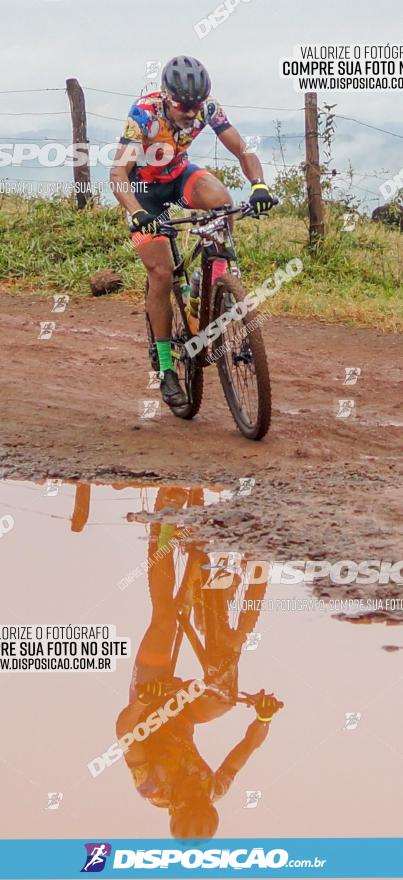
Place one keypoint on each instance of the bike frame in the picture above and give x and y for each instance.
(184, 605)
(216, 243)
(186, 628)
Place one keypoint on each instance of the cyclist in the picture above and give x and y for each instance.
(151, 168)
(167, 768)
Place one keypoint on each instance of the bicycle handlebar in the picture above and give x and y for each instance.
(244, 209)
(253, 699)
(250, 699)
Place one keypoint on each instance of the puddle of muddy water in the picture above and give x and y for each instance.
(332, 763)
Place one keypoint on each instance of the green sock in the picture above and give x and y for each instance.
(164, 354)
(166, 534)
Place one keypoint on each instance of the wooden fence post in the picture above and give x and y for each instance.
(81, 171)
(312, 170)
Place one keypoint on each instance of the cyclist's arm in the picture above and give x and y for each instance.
(240, 754)
(124, 163)
(249, 162)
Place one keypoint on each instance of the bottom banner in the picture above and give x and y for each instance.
(246, 857)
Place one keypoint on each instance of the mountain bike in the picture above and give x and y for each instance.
(203, 610)
(236, 344)
(204, 617)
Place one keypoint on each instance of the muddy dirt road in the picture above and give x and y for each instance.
(71, 407)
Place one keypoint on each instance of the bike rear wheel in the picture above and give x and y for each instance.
(242, 363)
(190, 372)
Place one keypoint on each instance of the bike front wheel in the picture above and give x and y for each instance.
(241, 361)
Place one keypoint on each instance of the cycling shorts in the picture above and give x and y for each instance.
(154, 197)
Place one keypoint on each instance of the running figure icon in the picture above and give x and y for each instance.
(97, 854)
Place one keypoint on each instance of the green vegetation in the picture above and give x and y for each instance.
(356, 277)
(48, 245)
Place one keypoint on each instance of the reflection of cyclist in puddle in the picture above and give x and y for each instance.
(166, 767)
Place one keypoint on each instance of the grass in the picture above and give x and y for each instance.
(356, 278)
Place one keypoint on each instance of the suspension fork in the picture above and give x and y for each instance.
(205, 306)
(205, 292)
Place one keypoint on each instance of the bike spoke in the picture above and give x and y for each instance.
(240, 368)
(178, 340)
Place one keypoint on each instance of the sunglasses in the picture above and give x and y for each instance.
(183, 107)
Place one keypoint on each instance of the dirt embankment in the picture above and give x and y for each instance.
(325, 487)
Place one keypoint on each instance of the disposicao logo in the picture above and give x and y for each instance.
(97, 854)
(227, 859)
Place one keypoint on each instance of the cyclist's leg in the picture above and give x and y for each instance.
(155, 253)
(81, 507)
(201, 189)
(168, 496)
(153, 659)
(156, 257)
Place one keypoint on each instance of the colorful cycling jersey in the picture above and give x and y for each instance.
(148, 125)
(156, 781)
(171, 754)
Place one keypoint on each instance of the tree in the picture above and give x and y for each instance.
(230, 176)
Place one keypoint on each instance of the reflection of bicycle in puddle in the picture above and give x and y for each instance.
(189, 621)
(205, 617)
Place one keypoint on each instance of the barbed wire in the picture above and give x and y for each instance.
(278, 166)
(70, 184)
(255, 134)
(22, 91)
(40, 180)
(363, 174)
(232, 106)
(49, 140)
(15, 138)
(136, 97)
(331, 174)
(39, 113)
(369, 125)
(362, 189)
(284, 135)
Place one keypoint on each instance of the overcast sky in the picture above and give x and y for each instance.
(106, 46)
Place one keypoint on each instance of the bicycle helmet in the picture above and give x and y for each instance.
(197, 820)
(186, 80)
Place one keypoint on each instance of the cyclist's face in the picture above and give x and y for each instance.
(181, 116)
